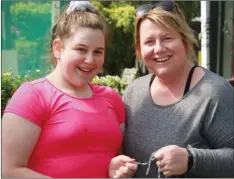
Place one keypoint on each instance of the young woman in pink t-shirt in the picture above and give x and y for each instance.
(62, 125)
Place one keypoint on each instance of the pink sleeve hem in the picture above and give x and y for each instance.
(23, 115)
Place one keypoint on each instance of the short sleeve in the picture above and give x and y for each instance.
(119, 108)
(27, 103)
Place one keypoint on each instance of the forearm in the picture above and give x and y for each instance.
(213, 162)
(22, 172)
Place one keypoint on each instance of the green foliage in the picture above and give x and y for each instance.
(11, 82)
(191, 9)
(26, 47)
(32, 21)
(112, 81)
(121, 16)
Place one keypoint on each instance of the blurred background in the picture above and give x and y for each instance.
(26, 34)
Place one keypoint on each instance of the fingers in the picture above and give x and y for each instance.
(160, 164)
(118, 174)
(167, 173)
(132, 167)
(163, 168)
(172, 160)
(121, 160)
(159, 154)
(125, 159)
(126, 171)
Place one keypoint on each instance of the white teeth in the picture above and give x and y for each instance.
(85, 70)
(162, 59)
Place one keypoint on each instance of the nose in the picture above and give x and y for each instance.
(89, 58)
(159, 47)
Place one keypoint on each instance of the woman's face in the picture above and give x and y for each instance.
(162, 48)
(82, 56)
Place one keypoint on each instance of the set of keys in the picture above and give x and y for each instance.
(148, 164)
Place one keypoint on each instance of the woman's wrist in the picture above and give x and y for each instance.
(190, 160)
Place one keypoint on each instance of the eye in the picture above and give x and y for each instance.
(98, 52)
(168, 38)
(148, 42)
(82, 50)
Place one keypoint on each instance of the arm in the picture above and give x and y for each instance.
(120, 112)
(19, 137)
(121, 166)
(218, 130)
(218, 161)
(122, 128)
(21, 129)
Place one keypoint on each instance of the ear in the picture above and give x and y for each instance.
(57, 47)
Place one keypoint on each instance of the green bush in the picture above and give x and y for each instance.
(11, 82)
(112, 81)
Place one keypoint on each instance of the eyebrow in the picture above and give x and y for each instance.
(163, 35)
(168, 34)
(99, 48)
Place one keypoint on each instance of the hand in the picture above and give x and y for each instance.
(122, 167)
(172, 160)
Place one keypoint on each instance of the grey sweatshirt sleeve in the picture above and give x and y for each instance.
(219, 132)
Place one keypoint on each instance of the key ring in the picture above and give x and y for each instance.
(151, 159)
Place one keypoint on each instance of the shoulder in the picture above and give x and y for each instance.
(216, 88)
(104, 91)
(43, 88)
(28, 102)
(217, 84)
(30, 86)
(36, 90)
(40, 84)
(137, 85)
(140, 82)
(35, 85)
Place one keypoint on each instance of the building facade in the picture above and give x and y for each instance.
(222, 38)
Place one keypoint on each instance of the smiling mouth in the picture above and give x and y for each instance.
(84, 69)
(162, 60)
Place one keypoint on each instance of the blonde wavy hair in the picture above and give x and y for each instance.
(171, 19)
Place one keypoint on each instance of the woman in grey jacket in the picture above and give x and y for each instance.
(181, 114)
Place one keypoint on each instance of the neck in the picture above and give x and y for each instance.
(175, 79)
(58, 80)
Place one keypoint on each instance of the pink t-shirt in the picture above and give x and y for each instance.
(78, 137)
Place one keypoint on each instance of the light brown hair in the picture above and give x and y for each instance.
(67, 24)
(171, 19)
